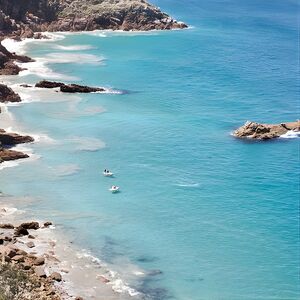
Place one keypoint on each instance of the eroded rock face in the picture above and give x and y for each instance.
(7, 61)
(253, 130)
(68, 88)
(24, 18)
(8, 95)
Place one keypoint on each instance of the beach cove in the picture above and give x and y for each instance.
(201, 215)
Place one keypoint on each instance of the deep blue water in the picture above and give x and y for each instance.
(218, 216)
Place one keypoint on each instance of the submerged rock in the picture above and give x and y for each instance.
(253, 130)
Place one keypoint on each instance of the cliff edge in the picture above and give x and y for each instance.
(24, 18)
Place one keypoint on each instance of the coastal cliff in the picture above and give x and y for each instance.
(25, 18)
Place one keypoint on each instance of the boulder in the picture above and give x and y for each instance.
(30, 225)
(56, 276)
(7, 226)
(39, 261)
(30, 245)
(18, 258)
(19, 231)
(47, 224)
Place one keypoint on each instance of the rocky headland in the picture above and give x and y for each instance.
(28, 18)
(253, 130)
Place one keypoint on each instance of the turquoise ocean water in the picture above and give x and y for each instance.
(208, 216)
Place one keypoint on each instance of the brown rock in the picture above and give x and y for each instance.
(21, 252)
(75, 88)
(8, 138)
(31, 236)
(7, 226)
(30, 245)
(39, 261)
(8, 95)
(68, 88)
(18, 258)
(30, 225)
(11, 252)
(47, 224)
(48, 84)
(253, 130)
(19, 231)
(56, 276)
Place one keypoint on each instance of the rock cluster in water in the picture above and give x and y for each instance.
(7, 140)
(68, 88)
(253, 130)
(7, 61)
(25, 18)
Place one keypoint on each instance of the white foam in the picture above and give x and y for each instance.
(73, 47)
(120, 286)
(39, 68)
(20, 47)
(8, 164)
(291, 134)
(76, 58)
(109, 91)
(192, 185)
(7, 211)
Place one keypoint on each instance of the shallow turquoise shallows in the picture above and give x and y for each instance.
(207, 215)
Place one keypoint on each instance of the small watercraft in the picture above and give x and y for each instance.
(108, 174)
(114, 189)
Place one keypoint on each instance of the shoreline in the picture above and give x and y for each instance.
(109, 284)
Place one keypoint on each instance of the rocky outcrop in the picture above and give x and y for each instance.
(253, 130)
(68, 88)
(7, 61)
(10, 139)
(7, 155)
(24, 18)
(8, 95)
